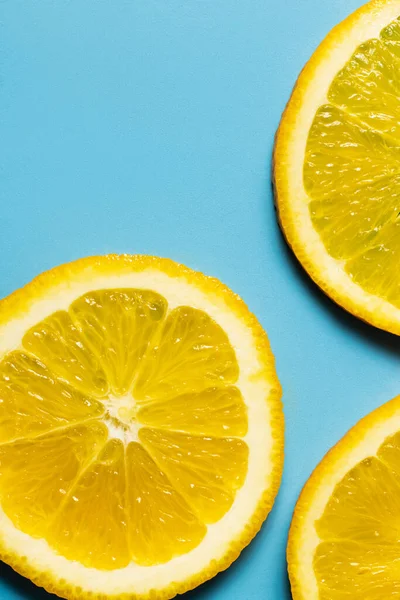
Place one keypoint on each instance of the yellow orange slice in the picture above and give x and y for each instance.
(337, 165)
(344, 537)
(140, 428)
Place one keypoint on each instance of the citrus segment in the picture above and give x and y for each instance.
(161, 523)
(368, 87)
(192, 354)
(62, 347)
(350, 174)
(214, 411)
(391, 37)
(91, 526)
(389, 453)
(350, 168)
(119, 326)
(360, 522)
(33, 401)
(128, 424)
(337, 167)
(382, 257)
(37, 474)
(206, 471)
(372, 574)
(358, 509)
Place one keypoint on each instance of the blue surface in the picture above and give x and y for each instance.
(146, 126)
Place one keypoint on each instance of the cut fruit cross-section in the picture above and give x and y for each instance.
(140, 428)
(337, 165)
(344, 537)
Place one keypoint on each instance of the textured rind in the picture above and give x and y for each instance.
(21, 300)
(326, 467)
(280, 167)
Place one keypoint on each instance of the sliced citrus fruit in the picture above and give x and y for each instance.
(344, 537)
(141, 432)
(337, 167)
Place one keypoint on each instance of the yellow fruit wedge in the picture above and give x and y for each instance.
(337, 165)
(141, 431)
(344, 537)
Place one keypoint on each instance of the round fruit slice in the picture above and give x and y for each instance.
(141, 432)
(344, 538)
(337, 168)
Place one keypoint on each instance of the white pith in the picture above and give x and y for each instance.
(120, 418)
(255, 390)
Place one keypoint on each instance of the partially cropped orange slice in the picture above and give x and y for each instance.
(344, 537)
(337, 165)
(140, 428)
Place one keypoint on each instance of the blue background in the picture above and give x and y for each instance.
(146, 126)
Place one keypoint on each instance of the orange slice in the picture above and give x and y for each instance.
(337, 165)
(140, 428)
(344, 536)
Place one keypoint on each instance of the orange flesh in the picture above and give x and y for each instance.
(358, 556)
(120, 429)
(352, 166)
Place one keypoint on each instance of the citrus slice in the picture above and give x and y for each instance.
(337, 165)
(344, 537)
(141, 432)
